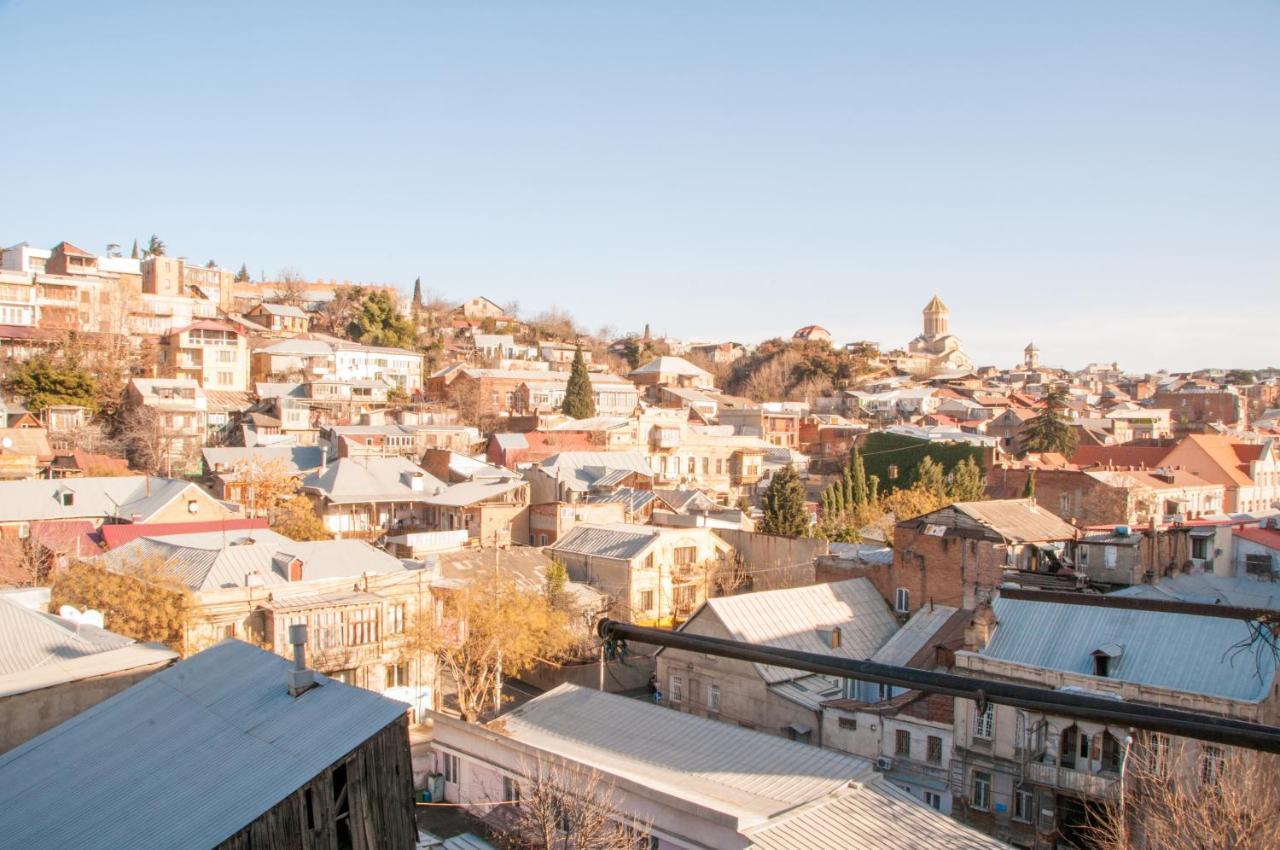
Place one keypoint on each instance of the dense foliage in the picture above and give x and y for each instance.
(579, 401)
(1050, 431)
(42, 382)
(784, 510)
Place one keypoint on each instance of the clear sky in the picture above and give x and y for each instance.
(1101, 177)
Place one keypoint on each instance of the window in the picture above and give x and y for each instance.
(981, 799)
(848, 723)
(933, 800)
(452, 768)
(1023, 805)
(1211, 763)
(883, 692)
(395, 619)
(1101, 661)
(677, 689)
(398, 675)
(706, 466)
(1200, 548)
(685, 555)
(902, 600)
(1082, 555)
(225, 356)
(646, 601)
(362, 625)
(510, 790)
(933, 752)
(693, 465)
(713, 698)
(982, 726)
(1109, 557)
(902, 743)
(719, 466)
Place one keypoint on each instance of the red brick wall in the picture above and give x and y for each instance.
(939, 568)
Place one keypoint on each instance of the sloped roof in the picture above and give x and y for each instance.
(582, 470)
(100, 497)
(668, 365)
(935, 305)
(1181, 652)
(281, 310)
(916, 634)
(349, 480)
(1015, 520)
(872, 814)
(296, 459)
(620, 541)
(209, 560)
(118, 535)
(1226, 460)
(185, 758)
(474, 492)
(26, 441)
(799, 617)
(34, 638)
(71, 250)
(1209, 589)
(1124, 454)
(725, 767)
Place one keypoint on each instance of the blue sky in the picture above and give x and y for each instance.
(1101, 177)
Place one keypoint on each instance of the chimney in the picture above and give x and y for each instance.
(980, 629)
(295, 574)
(299, 678)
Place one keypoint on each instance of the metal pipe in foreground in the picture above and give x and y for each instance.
(1188, 724)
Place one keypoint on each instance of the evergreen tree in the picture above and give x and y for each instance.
(839, 504)
(242, 276)
(379, 323)
(42, 382)
(417, 294)
(858, 473)
(931, 479)
(1029, 489)
(646, 330)
(784, 511)
(873, 489)
(967, 482)
(137, 255)
(828, 501)
(1050, 431)
(155, 247)
(578, 400)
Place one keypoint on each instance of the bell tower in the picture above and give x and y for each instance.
(935, 318)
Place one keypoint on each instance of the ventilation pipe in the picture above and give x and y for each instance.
(300, 679)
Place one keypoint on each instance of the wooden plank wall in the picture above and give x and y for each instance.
(380, 796)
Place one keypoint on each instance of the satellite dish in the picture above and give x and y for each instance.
(89, 617)
(7, 442)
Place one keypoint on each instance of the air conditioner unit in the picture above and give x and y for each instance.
(884, 763)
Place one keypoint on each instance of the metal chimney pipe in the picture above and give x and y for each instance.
(299, 678)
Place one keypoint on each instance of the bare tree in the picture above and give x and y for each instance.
(291, 288)
(155, 444)
(23, 562)
(1184, 795)
(568, 807)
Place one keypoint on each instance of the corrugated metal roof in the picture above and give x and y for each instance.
(635, 499)
(1182, 652)
(24, 501)
(34, 639)
(1238, 591)
(296, 459)
(1015, 520)
(185, 758)
(381, 479)
(873, 814)
(614, 540)
(725, 767)
(913, 636)
(473, 492)
(801, 618)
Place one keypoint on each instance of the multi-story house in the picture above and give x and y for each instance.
(254, 584)
(180, 423)
(652, 575)
(773, 423)
(282, 319)
(1195, 404)
(611, 395)
(24, 258)
(1090, 497)
(528, 390)
(674, 371)
(959, 555)
(163, 275)
(1249, 472)
(17, 299)
(906, 733)
(213, 354)
(845, 619)
(1036, 779)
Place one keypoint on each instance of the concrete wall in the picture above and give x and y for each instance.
(617, 677)
(775, 562)
(24, 716)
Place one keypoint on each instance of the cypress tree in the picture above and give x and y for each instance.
(859, 475)
(873, 489)
(784, 512)
(417, 293)
(967, 483)
(578, 400)
(137, 255)
(838, 502)
(827, 502)
(1029, 489)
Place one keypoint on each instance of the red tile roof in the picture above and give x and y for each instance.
(1122, 455)
(72, 537)
(71, 250)
(118, 535)
(1268, 537)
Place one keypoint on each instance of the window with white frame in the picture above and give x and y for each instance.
(933, 752)
(1109, 557)
(933, 800)
(981, 799)
(676, 689)
(1211, 764)
(713, 698)
(902, 600)
(983, 723)
(1023, 805)
(452, 768)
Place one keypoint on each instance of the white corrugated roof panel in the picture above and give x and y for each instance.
(801, 618)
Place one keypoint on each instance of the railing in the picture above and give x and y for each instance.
(1103, 786)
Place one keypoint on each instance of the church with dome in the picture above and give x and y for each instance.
(935, 351)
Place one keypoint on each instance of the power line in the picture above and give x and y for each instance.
(1204, 727)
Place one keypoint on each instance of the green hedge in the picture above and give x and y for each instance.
(882, 450)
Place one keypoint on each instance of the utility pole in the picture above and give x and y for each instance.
(497, 673)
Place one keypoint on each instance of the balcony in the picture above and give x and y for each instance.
(1102, 786)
